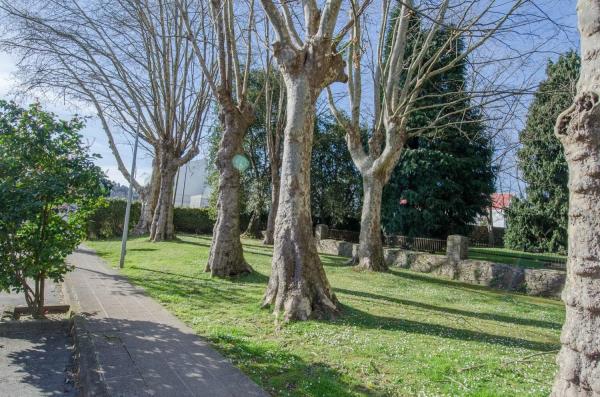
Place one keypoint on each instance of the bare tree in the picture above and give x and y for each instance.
(236, 114)
(132, 63)
(578, 128)
(298, 286)
(274, 131)
(399, 75)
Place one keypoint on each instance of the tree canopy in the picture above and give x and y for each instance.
(445, 178)
(538, 222)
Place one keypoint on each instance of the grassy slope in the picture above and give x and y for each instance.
(401, 334)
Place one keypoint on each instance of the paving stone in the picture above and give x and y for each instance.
(141, 348)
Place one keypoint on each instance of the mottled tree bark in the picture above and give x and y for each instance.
(226, 253)
(149, 198)
(275, 183)
(298, 287)
(253, 228)
(162, 222)
(578, 128)
(370, 248)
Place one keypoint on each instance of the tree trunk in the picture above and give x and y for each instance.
(370, 249)
(253, 229)
(298, 286)
(226, 254)
(578, 128)
(275, 182)
(491, 238)
(162, 221)
(149, 199)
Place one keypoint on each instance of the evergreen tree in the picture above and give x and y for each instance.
(335, 184)
(539, 221)
(444, 178)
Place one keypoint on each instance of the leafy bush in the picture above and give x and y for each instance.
(193, 220)
(107, 221)
(49, 185)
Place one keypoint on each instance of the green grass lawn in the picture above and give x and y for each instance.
(515, 258)
(401, 333)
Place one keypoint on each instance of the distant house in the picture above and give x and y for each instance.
(192, 188)
(500, 202)
(490, 227)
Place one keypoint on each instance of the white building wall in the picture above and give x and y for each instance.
(192, 182)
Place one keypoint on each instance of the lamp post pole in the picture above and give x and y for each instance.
(129, 199)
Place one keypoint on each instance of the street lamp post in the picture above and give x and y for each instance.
(129, 199)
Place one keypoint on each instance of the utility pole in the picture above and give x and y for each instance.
(129, 199)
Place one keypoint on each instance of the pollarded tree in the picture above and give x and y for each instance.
(132, 63)
(298, 287)
(49, 184)
(539, 221)
(400, 73)
(236, 114)
(578, 129)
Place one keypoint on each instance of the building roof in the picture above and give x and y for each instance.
(501, 201)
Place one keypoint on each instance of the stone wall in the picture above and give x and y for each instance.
(337, 247)
(536, 282)
(545, 282)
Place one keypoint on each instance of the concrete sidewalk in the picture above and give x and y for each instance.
(36, 359)
(137, 347)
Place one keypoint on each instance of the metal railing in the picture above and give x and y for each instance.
(417, 244)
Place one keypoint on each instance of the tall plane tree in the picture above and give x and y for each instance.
(400, 72)
(274, 126)
(131, 62)
(578, 129)
(236, 115)
(298, 287)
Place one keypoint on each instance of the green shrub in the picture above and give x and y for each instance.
(107, 221)
(49, 185)
(193, 220)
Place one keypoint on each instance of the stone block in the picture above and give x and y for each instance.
(321, 232)
(336, 247)
(457, 247)
(544, 282)
(489, 274)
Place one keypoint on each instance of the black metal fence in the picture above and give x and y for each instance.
(344, 235)
(417, 244)
(478, 249)
(525, 259)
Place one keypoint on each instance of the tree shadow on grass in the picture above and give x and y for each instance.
(255, 252)
(197, 243)
(205, 289)
(409, 275)
(336, 261)
(284, 373)
(358, 318)
(459, 312)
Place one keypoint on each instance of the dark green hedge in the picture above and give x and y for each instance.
(107, 222)
(193, 220)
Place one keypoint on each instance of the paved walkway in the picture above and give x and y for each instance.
(36, 359)
(35, 355)
(141, 349)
